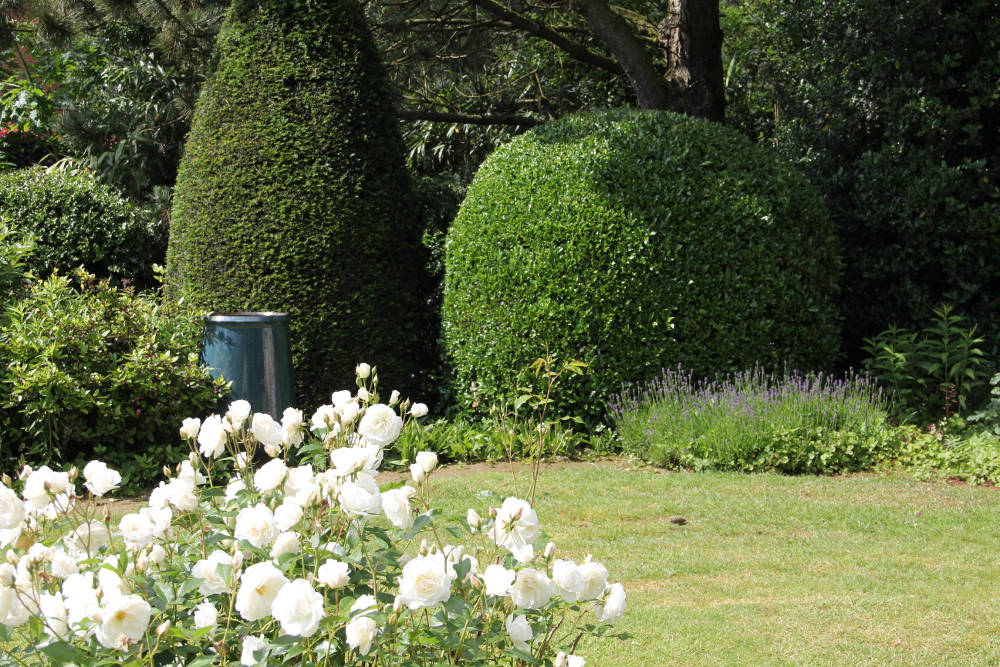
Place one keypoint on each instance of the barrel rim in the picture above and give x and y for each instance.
(248, 317)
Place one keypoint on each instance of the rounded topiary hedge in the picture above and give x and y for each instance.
(77, 221)
(293, 196)
(635, 241)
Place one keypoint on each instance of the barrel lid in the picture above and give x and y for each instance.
(248, 317)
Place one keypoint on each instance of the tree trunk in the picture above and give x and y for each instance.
(692, 44)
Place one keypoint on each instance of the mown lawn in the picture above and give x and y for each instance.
(771, 570)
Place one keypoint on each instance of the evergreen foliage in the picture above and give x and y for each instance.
(293, 196)
(634, 241)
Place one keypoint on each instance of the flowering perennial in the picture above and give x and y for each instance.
(304, 559)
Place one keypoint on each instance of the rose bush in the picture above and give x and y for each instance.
(292, 562)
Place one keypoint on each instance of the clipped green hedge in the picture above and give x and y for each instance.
(635, 241)
(293, 196)
(79, 222)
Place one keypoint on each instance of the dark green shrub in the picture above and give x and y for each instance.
(98, 372)
(293, 196)
(633, 241)
(77, 222)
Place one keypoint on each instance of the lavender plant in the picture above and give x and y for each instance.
(793, 422)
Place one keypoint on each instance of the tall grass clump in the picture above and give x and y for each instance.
(752, 421)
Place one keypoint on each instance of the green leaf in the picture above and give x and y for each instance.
(62, 652)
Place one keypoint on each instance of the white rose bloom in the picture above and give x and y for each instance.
(259, 585)
(394, 397)
(188, 471)
(159, 496)
(182, 493)
(63, 565)
(614, 606)
(208, 570)
(418, 410)
(341, 398)
(363, 370)
(568, 580)
(348, 412)
(363, 394)
(380, 424)
(256, 525)
(301, 485)
(238, 412)
(12, 612)
(498, 580)
(595, 577)
(234, 487)
(290, 437)
(160, 519)
(11, 508)
(250, 646)
(334, 574)
(287, 515)
(89, 537)
(575, 661)
(519, 631)
(360, 497)
(157, 554)
(361, 633)
(212, 437)
(364, 603)
(426, 581)
(516, 528)
(100, 478)
(54, 612)
(396, 505)
(417, 472)
(351, 461)
(136, 530)
(286, 543)
(80, 597)
(266, 430)
(190, 428)
(298, 609)
(35, 492)
(61, 504)
(323, 417)
(531, 589)
(124, 616)
(473, 519)
(110, 581)
(270, 475)
(427, 460)
(206, 616)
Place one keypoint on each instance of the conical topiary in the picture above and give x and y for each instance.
(293, 195)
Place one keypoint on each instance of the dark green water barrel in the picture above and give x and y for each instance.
(254, 352)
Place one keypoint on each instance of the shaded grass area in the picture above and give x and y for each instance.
(774, 570)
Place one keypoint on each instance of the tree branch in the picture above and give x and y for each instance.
(468, 119)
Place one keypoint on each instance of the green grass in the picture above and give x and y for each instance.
(774, 570)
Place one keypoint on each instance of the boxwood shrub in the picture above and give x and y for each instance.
(78, 222)
(635, 241)
(293, 196)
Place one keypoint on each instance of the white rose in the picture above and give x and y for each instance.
(287, 515)
(380, 424)
(568, 580)
(365, 603)
(159, 518)
(157, 554)
(323, 417)
(348, 412)
(595, 577)
(360, 497)
(190, 428)
(341, 398)
(53, 610)
(575, 661)
(212, 437)
(516, 528)
(361, 633)
(350, 461)
(427, 460)
(498, 580)
(298, 609)
(207, 569)
(301, 485)
(614, 606)
(206, 616)
(251, 645)
(125, 615)
(292, 418)
(256, 525)
(12, 612)
(80, 597)
(266, 430)
(63, 565)
(234, 487)
(334, 574)
(363, 394)
(110, 581)
(11, 509)
(418, 410)
(271, 474)
(417, 472)
(43, 485)
(286, 543)
(259, 585)
(531, 589)
(290, 437)
(394, 397)
(426, 581)
(188, 471)
(473, 519)
(519, 631)
(136, 530)
(181, 493)
(238, 412)
(100, 478)
(159, 496)
(89, 537)
(363, 370)
(396, 505)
